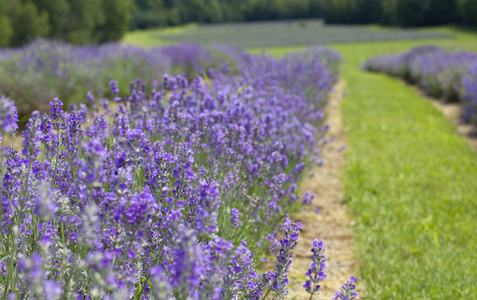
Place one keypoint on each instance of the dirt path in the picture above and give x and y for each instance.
(332, 223)
(453, 111)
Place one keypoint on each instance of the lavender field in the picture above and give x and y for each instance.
(178, 188)
(203, 171)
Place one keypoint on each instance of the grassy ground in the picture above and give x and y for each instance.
(410, 185)
(151, 37)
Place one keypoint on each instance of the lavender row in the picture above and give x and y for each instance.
(44, 69)
(469, 113)
(450, 76)
(173, 192)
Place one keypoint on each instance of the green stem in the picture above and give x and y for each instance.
(44, 152)
(143, 286)
(11, 267)
(57, 152)
(312, 291)
(268, 292)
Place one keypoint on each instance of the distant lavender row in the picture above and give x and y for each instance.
(34, 74)
(169, 193)
(451, 76)
(469, 82)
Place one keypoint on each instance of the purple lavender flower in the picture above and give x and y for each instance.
(73, 123)
(308, 198)
(240, 278)
(45, 202)
(347, 291)
(35, 279)
(56, 110)
(45, 128)
(317, 267)
(90, 98)
(147, 199)
(469, 82)
(113, 85)
(235, 217)
(32, 137)
(90, 169)
(139, 209)
(284, 258)
(8, 115)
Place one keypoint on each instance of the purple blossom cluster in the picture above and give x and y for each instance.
(8, 116)
(44, 69)
(469, 113)
(347, 291)
(172, 192)
(316, 272)
(441, 74)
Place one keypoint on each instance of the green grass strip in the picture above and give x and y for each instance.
(410, 185)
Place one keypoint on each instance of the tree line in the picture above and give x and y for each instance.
(75, 21)
(406, 13)
(97, 21)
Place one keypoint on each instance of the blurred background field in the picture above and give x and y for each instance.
(98, 21)
(279, 33)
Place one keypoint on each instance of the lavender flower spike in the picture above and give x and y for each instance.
(347, 291)
(56, 109)
(8, 115)
(114, 86)
(284, 258)
(315, 272)
(32, 137)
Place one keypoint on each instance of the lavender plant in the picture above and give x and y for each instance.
(347, 291)
(469, 114)
(44, 69)
(317, 267)
(439, 73)
(171, 193)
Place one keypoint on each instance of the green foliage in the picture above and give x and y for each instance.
(116, 20)
(83, 18)
(369, 11)
(148, 13)
(5, 26)
(27, 22)
(199, 11)
(405, 13)
(5, 31)
(467, 11)
(76, 21)
(57, 11)
(426, 12)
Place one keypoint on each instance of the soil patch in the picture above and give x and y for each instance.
(453, 112)
(332, 222)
